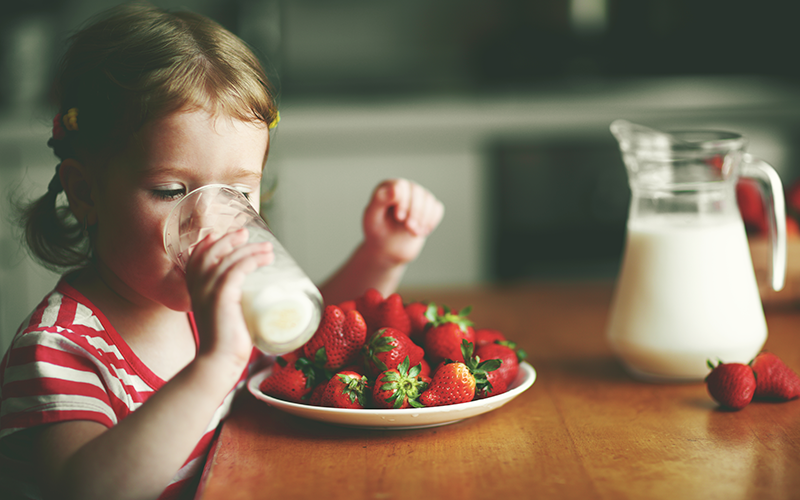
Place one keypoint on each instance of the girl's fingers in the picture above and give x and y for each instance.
(432, 215)
(417, 208)
(247, 257)
(234, 267)
(401, 198)
(212, 258)
(435, 216)
(211, 248)
(425, 212)
(405, 203)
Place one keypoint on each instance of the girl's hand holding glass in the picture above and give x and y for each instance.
(215, 273)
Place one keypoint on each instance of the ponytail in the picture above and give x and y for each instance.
(53, 236)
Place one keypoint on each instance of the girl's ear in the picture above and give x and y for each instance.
(77, 183)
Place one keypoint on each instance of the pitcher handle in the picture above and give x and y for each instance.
(769, 183)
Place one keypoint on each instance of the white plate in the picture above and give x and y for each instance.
(406, 418)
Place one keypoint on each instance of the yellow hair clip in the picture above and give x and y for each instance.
(70, 119)
(275, 121)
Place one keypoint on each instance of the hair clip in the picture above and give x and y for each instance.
(275, 121)
(71, 119)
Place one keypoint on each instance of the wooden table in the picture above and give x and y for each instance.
(585, 429)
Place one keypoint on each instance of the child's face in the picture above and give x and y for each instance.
(165, 160)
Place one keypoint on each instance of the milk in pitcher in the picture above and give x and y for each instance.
(686, 294)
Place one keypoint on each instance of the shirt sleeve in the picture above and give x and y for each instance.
(50, 377)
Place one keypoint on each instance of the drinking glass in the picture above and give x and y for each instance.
(282, 307)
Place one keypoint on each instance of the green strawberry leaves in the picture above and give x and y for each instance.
(354, 388)
(379, 344)
(521, 355)
(308, 368)
(477, 367)
(403, 384)
(459, 318)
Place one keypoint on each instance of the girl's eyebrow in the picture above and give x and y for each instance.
(233, 173)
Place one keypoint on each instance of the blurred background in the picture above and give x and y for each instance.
(501, 108)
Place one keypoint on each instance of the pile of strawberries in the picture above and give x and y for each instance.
(376, 352)
(767, 377)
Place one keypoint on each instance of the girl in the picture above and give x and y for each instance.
(115, 384)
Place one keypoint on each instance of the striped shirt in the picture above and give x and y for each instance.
(67, 362)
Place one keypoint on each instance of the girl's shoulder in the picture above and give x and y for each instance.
(65, 327)
(67, 312)
(66, 360)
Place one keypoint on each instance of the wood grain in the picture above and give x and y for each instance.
(584, 430)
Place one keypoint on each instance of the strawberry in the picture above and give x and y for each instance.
(290, 381)
(774, 379)
(751, 206)
(425, 370)
(447, 331)
(732, 385)
(506, 373)
(338, 339)
(716, 161)
(419, 317)
(793, 197)
(315, 397)
(380, 313)
(487, 336)
(368, 303)
(346, 389)
(457, 382)
(387, 348)
(348, 305)
(399, 387)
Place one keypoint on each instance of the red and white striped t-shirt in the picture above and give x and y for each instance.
(68, 363)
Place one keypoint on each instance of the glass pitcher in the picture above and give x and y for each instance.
(687, 292)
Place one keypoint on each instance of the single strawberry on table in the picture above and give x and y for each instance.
(501, 378)
(347, 389)
(456, 382)
(387, 348)
(338, 339)
(399, 387)
(732, 385)
(774, 379)
(446, 333)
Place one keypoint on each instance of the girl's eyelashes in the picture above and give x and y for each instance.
(175, 192)
(245, 191)
(171, 193)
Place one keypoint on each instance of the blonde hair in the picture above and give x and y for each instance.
(132, 64)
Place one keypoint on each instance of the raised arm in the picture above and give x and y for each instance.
(397, 221)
